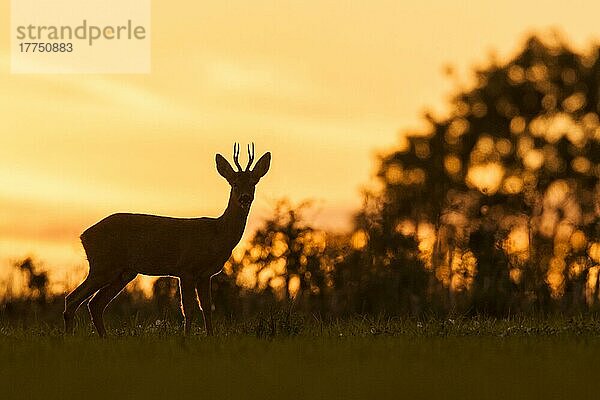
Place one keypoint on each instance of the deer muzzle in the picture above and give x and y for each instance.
(245, 200)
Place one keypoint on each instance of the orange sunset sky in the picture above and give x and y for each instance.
(323, 85)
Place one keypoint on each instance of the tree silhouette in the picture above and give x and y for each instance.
(37, 281)
(501, 195)
(288, 257)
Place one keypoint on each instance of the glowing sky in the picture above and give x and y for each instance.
(321, 84)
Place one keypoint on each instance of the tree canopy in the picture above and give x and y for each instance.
(501, 194)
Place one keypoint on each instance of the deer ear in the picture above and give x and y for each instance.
(224, 168)
(262, 166)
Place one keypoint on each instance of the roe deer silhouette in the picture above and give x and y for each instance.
(121, 246)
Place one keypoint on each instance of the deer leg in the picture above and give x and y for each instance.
(189, 302)
(206, 303)
(100, 301)
(74, 299)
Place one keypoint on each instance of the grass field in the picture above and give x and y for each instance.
(305, 359)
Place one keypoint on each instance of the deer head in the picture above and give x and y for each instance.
(243, 182)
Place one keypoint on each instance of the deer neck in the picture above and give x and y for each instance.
(234, 220)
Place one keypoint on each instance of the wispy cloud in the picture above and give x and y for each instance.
(259, 78)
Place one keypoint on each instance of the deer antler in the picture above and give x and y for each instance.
(250, 157)
(236, 156)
